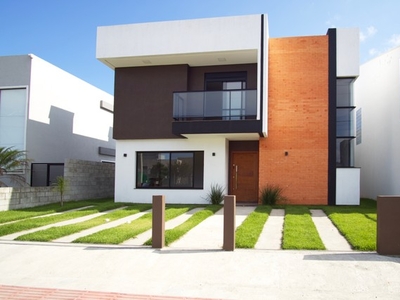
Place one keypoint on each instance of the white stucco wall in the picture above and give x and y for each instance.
(179, 37)
(64, 116)
(215, 168)
(348, 186)
(377, 93)
(348, 52)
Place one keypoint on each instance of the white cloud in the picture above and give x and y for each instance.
(371, 31)
(373, 52)
(394, 40)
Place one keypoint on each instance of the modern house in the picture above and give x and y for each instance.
(217, 101)
(53, 115)
(377, 94)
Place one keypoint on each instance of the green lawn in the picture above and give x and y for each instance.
(299, 231)
(249, 231)
(356, 223)
(25, 213)
(26, 224)
(60, 231)
(119, 234)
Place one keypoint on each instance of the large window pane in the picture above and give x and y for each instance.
(344, 92)
(153, 170)
(170, 169)
(182, 169)
(344, 150)
(344, 122)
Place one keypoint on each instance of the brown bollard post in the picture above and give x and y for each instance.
(229, 222)
(158, 222)
(388, 225)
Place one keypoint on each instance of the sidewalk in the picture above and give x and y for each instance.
(196, 273)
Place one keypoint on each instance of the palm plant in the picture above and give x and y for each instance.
(13, 160)
(216, 194)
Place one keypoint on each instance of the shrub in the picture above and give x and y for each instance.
(271, 195)
(216, 194)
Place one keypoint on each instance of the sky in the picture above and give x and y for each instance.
(64, 32)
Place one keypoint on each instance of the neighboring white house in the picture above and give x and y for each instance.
(53, 115)
(377, 152)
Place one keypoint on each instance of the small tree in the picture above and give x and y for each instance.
(13, 160)
(61, 187)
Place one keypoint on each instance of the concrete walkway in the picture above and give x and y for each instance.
(329, 234)
(271, 235)
(209, 233)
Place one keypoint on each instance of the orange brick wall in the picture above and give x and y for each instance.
(297, 120)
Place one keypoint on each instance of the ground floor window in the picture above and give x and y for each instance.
(170, 169)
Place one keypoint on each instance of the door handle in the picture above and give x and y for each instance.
(236, 176)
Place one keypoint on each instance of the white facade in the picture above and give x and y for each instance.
(62, 118)
(347, 52)
(215, 168)
(347, 186)
(377, 95)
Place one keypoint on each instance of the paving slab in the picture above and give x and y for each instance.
(271, 235)
(328, 232)
(209, 233)
(143, 237)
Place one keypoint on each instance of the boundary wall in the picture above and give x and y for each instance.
(85, 179)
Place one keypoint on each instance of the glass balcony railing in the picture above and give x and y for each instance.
(215, 105)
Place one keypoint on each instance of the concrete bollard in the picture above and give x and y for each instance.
(229, 222)
(158, 222)
(388, 225)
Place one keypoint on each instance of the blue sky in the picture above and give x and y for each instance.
(64, 32)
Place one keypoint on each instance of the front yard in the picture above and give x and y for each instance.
(356, 223)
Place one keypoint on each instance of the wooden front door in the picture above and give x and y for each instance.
(244, 176)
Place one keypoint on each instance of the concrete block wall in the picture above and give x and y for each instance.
(297, 120)
(86, 180)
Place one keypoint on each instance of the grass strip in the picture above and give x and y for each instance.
(60, 231)
(38, 222)
(249, 231)
(121, 233)
(176, 233)
(299, 231)
(356, 223)
(20, 214)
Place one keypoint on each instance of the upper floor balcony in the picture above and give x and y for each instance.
(226, 111)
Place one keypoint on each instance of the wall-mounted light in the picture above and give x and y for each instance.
(125, 155)
(286, 153)
(213, 154)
